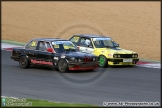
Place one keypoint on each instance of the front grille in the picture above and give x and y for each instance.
(87, 59)
(126, 55)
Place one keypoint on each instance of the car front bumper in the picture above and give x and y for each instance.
(120, 61)
(83, 66)
(15, 58)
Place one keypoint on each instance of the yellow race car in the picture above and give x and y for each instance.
(106, 48)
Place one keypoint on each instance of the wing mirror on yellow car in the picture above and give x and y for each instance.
(90, 46)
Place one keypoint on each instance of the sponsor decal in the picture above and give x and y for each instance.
(96, 39)
(63, 56)
(41, 62)
(55, 58)
(56, 46)
(62, 42)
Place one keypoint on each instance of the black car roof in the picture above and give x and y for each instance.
(50, 39)
(90, 35)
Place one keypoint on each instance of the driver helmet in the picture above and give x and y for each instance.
(87, 41)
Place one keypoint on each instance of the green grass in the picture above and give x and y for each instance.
(146, 60)
(44, 103)
(56, 104)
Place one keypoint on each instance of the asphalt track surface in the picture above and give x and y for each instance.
(133, 84)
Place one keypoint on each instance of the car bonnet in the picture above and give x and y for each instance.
(78, 54)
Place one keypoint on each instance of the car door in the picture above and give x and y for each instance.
(30, 49)
(43, 56)
(85, 45)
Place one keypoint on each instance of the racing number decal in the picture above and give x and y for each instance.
(76, 38)
(90, 50)
(34, 43)
(82, 49)
(87, 50)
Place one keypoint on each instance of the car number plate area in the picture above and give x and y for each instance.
(125, 63)
(127, 60)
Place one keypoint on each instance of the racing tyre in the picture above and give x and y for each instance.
(62, 66)
(24, 62)
(103, 61)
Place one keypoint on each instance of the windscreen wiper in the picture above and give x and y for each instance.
(107, 46)
(110, 46)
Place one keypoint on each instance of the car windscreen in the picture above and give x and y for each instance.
(62, 46)
(104, 42)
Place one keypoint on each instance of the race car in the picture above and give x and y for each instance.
(60, 53)
(106, 49)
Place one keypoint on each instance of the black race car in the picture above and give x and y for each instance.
(60, 53)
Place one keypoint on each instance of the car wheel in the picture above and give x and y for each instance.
(24, 62)
(103, 61)
(62, 66)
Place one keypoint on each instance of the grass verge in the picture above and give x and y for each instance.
(45, 103)
(13, 42)
(57, 104)
(145, 60)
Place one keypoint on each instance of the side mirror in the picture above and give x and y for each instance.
(50, 50)
(78, 47)
(90, 46)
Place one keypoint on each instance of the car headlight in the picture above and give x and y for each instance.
(133, 56)
(136, 55)
(72, 58)
(94, 59)
(75, 60)
(79, 60)
(115, 56)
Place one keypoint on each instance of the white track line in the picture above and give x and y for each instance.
(4, 45)
(157, 65)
